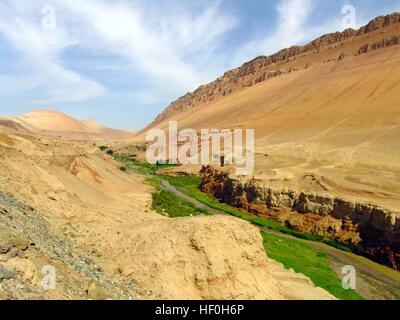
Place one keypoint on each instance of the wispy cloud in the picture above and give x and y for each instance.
(39, 53)
(166, 45)
(163, 45)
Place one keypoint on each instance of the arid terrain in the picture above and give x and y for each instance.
(68, 205)
(328, 121)
(327, 124)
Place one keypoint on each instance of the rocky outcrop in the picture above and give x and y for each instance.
(395, 40)
(342, 56)
(263, 68)
(369, 229)
(380, 23)
(200, 266)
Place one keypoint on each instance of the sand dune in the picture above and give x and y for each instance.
(54, 123)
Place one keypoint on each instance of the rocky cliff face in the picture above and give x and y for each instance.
(266, 67)
(395, 40)
(369, 229)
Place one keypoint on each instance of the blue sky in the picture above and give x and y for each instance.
(122, 62)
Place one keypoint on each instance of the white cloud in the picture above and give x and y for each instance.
(166, 45)
(39, 54)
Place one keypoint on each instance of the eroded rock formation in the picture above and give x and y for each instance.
(366, 228)
(395, 40)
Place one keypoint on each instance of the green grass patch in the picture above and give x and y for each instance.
(166, 203)
(155, 182)
(144, 167)
(310, 262)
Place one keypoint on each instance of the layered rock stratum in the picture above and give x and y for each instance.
(369, 229)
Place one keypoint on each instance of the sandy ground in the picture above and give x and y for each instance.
(67, 205)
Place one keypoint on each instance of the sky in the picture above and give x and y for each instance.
(122, 62)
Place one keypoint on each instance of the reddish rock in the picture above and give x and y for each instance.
(370, 230)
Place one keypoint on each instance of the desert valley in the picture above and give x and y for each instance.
(79, 197)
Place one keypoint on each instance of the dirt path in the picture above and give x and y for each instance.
(374, 281)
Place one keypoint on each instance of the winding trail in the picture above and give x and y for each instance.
(374, 281)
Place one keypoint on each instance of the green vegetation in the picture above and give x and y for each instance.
(312, 263)
(168, 204)
(190, 186)
(144, 167)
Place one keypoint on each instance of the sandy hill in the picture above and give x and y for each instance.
(50, 122)
(67, 205)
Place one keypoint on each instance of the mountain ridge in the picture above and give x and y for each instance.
(326, 121)
(258, 70)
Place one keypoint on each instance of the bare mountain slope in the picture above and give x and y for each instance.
(327, 124)
(332, 112)
(335, 47)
